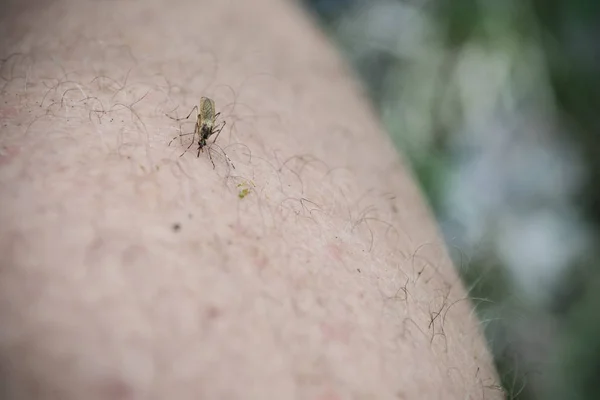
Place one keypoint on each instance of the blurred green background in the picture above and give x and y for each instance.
(495, 103)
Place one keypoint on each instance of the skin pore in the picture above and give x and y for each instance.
(313, 270)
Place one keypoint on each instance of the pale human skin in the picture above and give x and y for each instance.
(313, 270)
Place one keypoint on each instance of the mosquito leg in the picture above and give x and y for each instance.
(181, 119)
(187, 148)
(219, 131)
(211, 159)
(178, 136)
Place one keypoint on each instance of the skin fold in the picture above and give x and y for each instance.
(311, 270)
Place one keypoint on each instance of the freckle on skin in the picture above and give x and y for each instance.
(335, 251)
(213, 312)
(260, 260)
(338, 332)
(329, 394)
(239, 229)
(93, 250)
(7, 154)
(132, 253)
(116, 389)
(7, 112)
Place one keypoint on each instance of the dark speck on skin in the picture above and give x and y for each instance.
(176, 227)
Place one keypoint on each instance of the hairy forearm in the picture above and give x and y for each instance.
(310, 270)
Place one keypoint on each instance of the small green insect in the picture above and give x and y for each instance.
(243, 193)
(206, 126)
(245, 189)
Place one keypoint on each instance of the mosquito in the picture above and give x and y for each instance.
(206, 126)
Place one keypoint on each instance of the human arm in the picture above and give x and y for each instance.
(131, 272)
